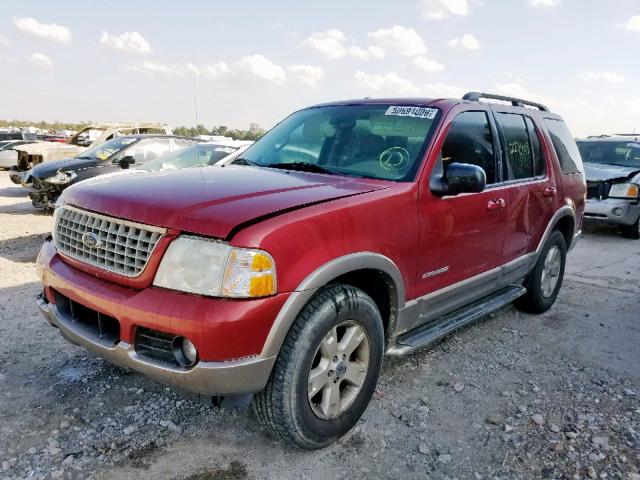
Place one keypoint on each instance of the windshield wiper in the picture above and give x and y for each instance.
(244, 161)
(303, 167)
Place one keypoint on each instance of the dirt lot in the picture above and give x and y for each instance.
(516, 396)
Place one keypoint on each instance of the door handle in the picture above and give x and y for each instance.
(550, 192)
(497, 204)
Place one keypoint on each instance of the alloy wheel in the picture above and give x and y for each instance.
(338, 370)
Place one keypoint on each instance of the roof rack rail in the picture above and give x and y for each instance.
(516, 102)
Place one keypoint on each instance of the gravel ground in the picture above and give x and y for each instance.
(516, 396)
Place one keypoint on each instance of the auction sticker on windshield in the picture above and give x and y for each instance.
(418, 112)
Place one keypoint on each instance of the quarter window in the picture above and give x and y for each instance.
(539, 162)
(470, 140)
(565, 146)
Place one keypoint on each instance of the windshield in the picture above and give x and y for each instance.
(195, 156)
(375, 141)
(623, 153)
(107, 149)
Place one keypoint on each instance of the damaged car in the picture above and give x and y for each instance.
(32, 154)
(47, 181)
(612, 167)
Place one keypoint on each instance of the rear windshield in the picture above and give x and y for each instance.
(626, 154)
(374, 141)
(195, 156)
(565, 146)
(107, 149)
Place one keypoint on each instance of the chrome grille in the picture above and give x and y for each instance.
(112, 244)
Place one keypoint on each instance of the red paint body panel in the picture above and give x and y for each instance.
(221, 329)
(210, 201)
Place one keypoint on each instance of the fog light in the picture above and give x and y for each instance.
(184, 351)
(618, 212)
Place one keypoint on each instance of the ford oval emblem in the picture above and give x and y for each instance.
(91, 240)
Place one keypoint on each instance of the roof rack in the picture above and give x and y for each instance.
(516, 102)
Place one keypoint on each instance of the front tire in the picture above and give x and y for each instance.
(544, 282)
(632, 231)
(327, 369)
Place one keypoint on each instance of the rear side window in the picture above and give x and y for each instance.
(469, 140)
(519, 155)
(565, 146)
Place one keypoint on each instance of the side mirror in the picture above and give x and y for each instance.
(460, 178)
(126, 161)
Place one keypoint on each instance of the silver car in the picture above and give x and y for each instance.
(612, 167)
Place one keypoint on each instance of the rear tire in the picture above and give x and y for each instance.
(632, 231)
(327, 369)
(545, 280)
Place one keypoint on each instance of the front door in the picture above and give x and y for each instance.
(461, 237)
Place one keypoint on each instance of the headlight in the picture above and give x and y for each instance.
(624, 190)
(213, 268)
(61, 178)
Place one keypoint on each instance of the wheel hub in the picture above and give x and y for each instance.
(338, 370)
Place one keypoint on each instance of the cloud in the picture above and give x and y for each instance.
(308, 74)
(427, 64)
(126, 42)
(610, 77)
(368, 54)
(329, 43)
(333, 45)
(213, 70)
(4, 41)
(41, 60)
(389, 83)
(399, 40)
(46, 31)
(440, 9)
(151, 68)
(466, 42)
(544, 3)
(633, 24)
(261, 67)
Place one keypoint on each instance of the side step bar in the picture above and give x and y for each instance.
(411, 341)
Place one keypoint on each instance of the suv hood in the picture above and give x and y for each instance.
(597, 172)
(43, 171)
(211, 201)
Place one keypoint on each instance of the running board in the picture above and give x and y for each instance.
(409, 342)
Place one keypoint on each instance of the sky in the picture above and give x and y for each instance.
(236, 63)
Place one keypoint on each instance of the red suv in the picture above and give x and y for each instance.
(351, 230)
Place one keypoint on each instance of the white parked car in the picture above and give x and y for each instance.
(9, 156)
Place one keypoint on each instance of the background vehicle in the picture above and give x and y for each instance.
(8, 154)
(17, 135)
(90, 136)
(199, 155)
(46, 181)
(612, 166)
(349, 231)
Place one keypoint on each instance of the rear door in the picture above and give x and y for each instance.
(529, 182)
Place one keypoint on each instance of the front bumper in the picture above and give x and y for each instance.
(616, 211)
(228, 334)
(206, 378)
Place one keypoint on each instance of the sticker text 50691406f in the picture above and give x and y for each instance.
(408, 111)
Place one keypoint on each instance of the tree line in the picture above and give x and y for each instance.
(253, 133)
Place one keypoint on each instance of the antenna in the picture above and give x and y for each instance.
(195, 106)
